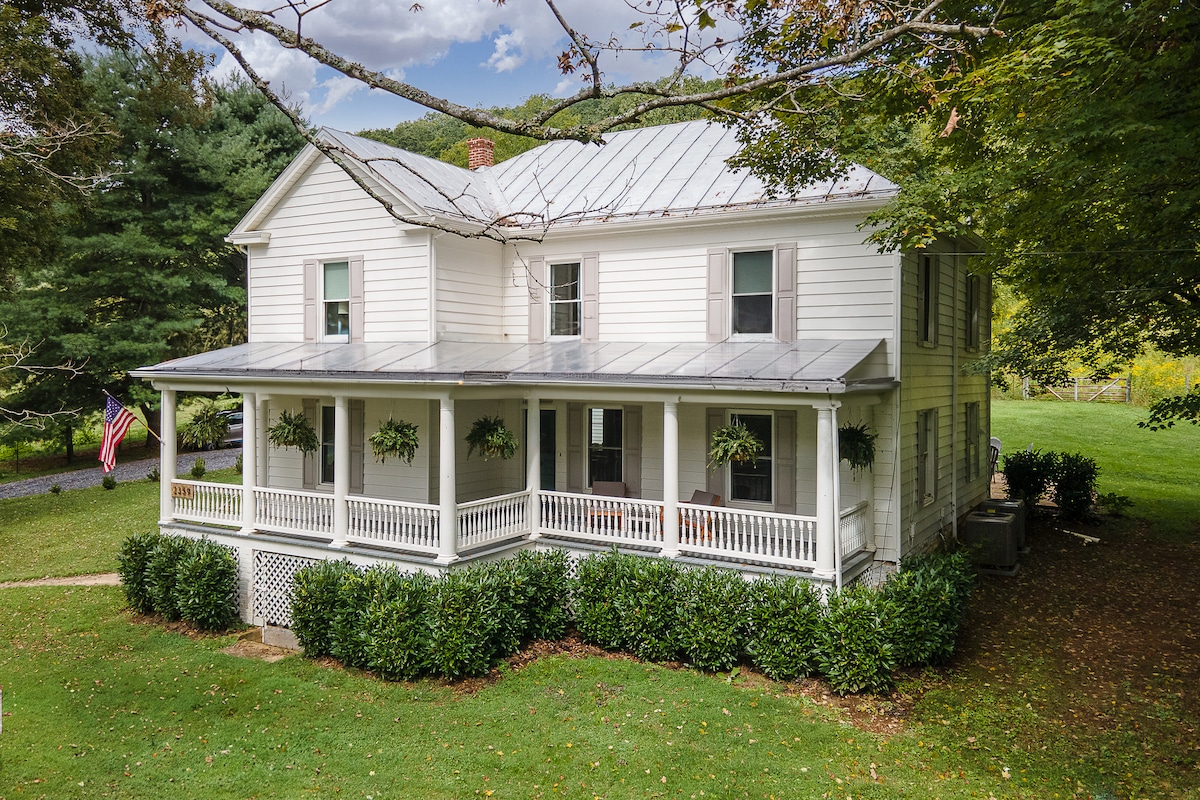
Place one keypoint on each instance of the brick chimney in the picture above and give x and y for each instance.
(481, 153)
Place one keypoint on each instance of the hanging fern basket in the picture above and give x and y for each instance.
(734, 443)
(856, 446)
(395, 439)
(294, 430)
(491, 438)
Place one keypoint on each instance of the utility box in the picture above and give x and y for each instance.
(1017, 509)
(991, 542)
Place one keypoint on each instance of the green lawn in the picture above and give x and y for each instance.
(1158, 470)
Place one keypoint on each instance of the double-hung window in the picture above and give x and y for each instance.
(753, 293)
(971, 334)
(565, 299)
(754, 482)
(927, 300)
(335, 298)
(606, 438)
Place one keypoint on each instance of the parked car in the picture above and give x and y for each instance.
(232, 437)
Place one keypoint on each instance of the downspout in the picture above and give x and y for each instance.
(954, 328)
(431, 257)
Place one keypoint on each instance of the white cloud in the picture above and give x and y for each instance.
(508, 53)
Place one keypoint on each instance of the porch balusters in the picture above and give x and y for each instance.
(166, 458)
(341, 470)
(249, 459)
(670, 547)
(447, 497)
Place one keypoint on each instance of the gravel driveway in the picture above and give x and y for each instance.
(125, 471)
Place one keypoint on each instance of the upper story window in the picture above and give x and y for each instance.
(335, 297)
(927, 300)
(971, 334)
(565, 299)
(755, 482)
(753, 293)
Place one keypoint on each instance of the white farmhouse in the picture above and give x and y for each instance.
(646, 295)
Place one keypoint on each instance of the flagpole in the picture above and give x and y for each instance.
(144, 425)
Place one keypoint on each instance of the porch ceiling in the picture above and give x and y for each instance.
(815, 365)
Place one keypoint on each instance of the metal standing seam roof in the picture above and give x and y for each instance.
(669, 170)
(811, 365)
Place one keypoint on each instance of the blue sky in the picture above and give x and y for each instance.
(473, 52)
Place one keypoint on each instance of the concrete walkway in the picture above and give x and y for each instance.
(125, 471)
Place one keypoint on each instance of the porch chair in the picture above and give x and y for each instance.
(701, 498)
(609, 488)
(993, 458)
(607, 518)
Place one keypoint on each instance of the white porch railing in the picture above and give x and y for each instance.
(597, 518)
(391, 523)
(493, 519)
(783, 539)
(214, 503)
(855, 522)
(299, 513)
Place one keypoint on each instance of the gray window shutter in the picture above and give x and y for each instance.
(785, 292)
(435, 451)
(718, 294)
(716, 477)
(356, 298)
(633, 450)
(357, 414)
(310, 459)
(536, 279)
(312, 296)
(589, 279)
(575, 466)
(785, 462)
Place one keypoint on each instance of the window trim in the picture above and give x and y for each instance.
(928, 284)
(551, 302)
(772, 446)
(973, 312)
(770, 335)
(323, 303)
(927, 456)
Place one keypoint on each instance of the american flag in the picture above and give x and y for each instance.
(116, 422)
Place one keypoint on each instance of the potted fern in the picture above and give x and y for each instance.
(395, 438)
(856, 446)
(733, 443)
(491, 438)
(294, 430)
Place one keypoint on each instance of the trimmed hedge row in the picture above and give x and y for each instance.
(190, 579)
(1030, 474)
(406, 625)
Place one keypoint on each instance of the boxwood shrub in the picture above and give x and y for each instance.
(785, 622)
(598, 581)
(465, 635)
(547, 590)
(1075, 484)
(206, 585)
(162, 574)
(926, 602)
(645, 606)
(854, 650)
(397, 625)
(315, 590)
(711, 617)
(349, 637)
(133, 562)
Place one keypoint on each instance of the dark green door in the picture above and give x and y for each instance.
(549, 441)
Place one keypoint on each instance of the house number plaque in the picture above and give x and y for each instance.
(183, 491)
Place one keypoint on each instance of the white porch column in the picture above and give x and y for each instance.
(827, 502)
(447, 487)
(260, 433)
(533, 460)
(670, 479)
(341, 469)
(249, 459)
(166, 458)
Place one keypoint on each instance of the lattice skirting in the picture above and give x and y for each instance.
(272, 589)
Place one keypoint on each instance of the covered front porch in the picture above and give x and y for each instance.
(447, 509)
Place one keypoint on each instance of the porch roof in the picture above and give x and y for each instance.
(813, 365)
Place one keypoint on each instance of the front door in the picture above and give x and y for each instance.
(548, 445)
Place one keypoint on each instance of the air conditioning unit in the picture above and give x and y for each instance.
(990, 540)
(1017, 509)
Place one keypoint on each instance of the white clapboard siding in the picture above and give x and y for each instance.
(326, 216)
(394, 479)
(469, 301)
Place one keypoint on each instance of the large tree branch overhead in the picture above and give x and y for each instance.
(825, 39)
